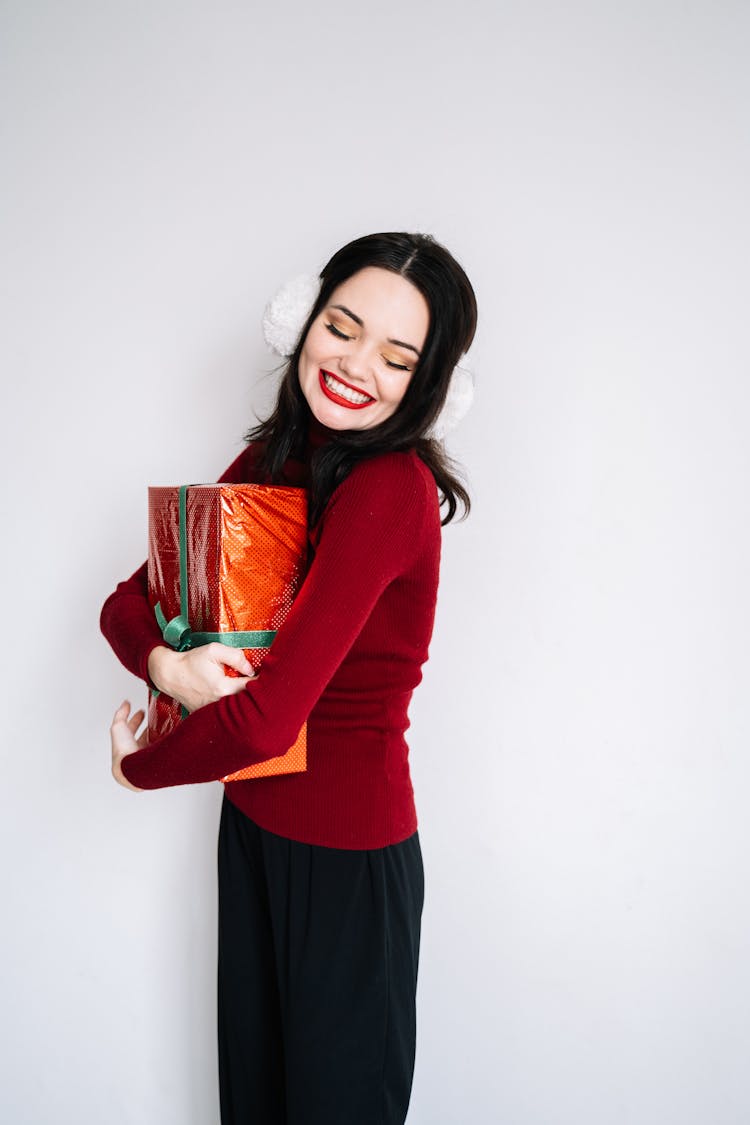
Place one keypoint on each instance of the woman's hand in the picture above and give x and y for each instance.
(124, 741)
(197, 677)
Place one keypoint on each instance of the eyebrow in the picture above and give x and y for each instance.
(360, 322)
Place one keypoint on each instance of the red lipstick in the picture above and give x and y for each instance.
(339, 399)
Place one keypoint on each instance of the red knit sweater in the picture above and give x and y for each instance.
(346, 659)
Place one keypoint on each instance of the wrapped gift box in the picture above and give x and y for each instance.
(225, 562)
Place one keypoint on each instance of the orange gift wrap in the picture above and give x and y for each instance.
(225, 562)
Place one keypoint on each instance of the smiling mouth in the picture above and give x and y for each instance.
(342, 393)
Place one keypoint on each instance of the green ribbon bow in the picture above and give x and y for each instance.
(177, 632)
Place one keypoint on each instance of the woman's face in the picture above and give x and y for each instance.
(361, 350)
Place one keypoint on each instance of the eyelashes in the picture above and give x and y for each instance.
(342, 336)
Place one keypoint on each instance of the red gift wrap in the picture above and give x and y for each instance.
(245, 554)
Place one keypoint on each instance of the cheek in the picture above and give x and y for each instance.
(311, 358)
(399, 390)
(317, 340)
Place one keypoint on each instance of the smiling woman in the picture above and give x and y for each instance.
(355, 366)
(321, 882)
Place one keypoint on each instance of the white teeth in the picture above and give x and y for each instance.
(345, 392)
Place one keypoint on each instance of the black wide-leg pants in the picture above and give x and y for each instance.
(318, 956)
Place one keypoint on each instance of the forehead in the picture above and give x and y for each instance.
(387, 303)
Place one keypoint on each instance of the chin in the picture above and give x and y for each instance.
(340, 418)
(335, 421)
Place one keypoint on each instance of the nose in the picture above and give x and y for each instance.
(355, 361)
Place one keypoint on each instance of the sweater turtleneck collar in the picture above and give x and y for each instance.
(318, 435)
(297, 468)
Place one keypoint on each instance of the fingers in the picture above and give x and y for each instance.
(232, 657)
(135, 720)
(122, 712)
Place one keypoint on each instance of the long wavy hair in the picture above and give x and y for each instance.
(453, 319)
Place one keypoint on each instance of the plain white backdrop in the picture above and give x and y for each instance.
(579, 743)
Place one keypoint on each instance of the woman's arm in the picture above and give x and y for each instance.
(376, 523)
(127, 621)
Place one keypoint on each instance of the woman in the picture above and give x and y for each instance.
(321, 883)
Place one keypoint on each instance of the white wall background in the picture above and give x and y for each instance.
(579, 743)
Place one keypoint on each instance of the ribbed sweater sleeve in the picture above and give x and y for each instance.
(370, 533)
(127, 620)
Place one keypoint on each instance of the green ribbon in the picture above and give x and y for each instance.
(177, 632)
(179, 636)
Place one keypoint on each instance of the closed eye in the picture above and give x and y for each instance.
(335, 331)
(342, 336)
